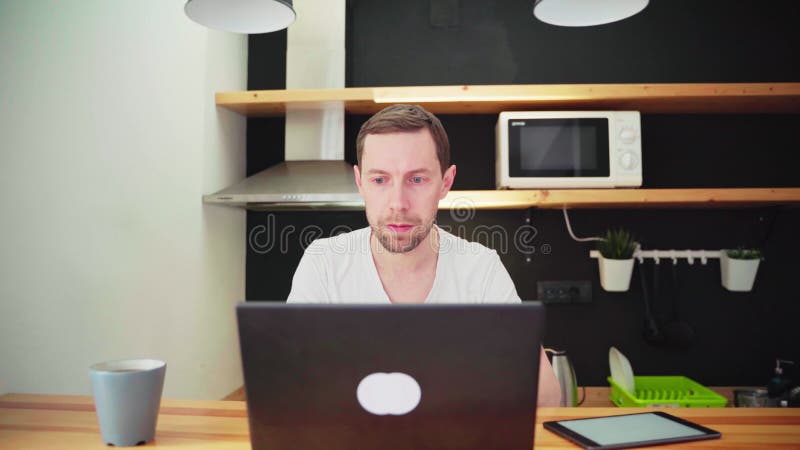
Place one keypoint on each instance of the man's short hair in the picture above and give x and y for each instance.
(399, 118)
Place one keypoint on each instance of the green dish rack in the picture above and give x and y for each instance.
(672, 391)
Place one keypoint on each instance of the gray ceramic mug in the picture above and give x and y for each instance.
(127, 396)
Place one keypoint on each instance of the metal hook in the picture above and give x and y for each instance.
(637, 253)
(674, 257)
(703, 259)
(690, 257)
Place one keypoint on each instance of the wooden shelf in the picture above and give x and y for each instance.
(647, 98)
(574, 198)
(619, 198)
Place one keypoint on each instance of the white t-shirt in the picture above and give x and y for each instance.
(340, 269)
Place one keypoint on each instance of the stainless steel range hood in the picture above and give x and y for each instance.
(315, 174)
(295, 185)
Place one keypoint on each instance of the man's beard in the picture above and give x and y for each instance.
(411, 240)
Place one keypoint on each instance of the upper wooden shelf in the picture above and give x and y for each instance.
(647, 98)
(619, 198)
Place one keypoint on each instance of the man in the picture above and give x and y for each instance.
(402, 257)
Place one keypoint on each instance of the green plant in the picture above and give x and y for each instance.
(744, 253)
(617, 244)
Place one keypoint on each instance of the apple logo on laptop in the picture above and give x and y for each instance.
(384, 394)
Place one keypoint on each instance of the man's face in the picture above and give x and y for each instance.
(401, 182)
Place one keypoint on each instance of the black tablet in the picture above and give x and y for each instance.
(630, 430)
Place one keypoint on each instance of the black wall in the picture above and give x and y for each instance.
(738, 335)
(424, 42)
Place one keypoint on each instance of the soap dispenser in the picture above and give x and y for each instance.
(779, 385)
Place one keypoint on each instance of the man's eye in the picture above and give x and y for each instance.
(417, 180)
(378, 180)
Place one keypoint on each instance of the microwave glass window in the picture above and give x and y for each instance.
(553, 147)
(559, 147)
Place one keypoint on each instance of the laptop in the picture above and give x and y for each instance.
(390, 376)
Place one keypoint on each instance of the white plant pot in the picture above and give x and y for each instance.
(615, 274)
(738, 275)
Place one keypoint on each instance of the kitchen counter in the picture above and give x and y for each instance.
(30, 421)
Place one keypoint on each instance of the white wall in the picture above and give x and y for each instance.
(108, 139)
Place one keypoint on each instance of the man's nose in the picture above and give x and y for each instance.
(398, 199)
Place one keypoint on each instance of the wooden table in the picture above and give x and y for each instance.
(595, 396)
(69, 422)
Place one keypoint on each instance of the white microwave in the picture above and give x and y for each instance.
(568, 149)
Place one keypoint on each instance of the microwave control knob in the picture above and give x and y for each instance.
(627, 135)
(628, 161)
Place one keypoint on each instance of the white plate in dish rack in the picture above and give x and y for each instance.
(621, 370)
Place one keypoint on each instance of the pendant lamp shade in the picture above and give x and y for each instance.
(585, 13)
(242, 16)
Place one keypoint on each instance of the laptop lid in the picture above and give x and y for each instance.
(390, 376)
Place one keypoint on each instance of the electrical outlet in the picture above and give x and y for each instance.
(564, 291)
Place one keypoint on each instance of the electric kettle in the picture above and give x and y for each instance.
(565, 374)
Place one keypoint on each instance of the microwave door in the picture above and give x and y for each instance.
(550, 148)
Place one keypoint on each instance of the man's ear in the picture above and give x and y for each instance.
(357, 174)
(447, 180)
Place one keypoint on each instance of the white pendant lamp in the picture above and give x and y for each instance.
(585, 13)
(242, 16)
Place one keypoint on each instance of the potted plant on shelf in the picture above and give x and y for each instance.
(616, 260)
(738, 268)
